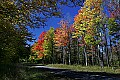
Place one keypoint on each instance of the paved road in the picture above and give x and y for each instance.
(74, 75)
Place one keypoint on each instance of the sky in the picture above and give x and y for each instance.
(68, 13)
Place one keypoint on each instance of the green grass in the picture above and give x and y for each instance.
(86, 68)
(20, 72)
(11, 72)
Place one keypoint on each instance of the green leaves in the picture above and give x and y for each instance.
(44, 46)
(86, 20)
(48, 42)
(112, 25)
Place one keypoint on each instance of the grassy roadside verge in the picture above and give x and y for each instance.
(21, 72)
(86, 69)
(12, 72)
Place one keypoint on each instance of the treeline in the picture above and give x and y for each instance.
(17, 17)
(93, 38)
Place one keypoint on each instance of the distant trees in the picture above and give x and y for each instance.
(37, 48)
(86, 24)
(48, 45)
(62, 38)
(15, 18)
(93, 39)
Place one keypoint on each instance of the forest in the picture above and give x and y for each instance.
(92, 39)
(89, 46)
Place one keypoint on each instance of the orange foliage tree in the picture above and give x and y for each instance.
(61, 34)
(37, 48)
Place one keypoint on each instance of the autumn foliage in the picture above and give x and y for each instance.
(90, 40)
(61, 34)
(37, 48)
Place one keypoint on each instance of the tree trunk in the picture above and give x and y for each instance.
(69, 51)
(99, 57)
(53, 57)
(118, 54)
(106, 46)
(93, 52)
(102, 57)
(111, 55)
(69, 58)
(64, 53)
(93, 58)
(78, 57)
(86, 62)
(107, 56)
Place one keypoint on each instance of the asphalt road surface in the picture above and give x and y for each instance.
(74, 75)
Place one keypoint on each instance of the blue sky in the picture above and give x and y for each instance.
(68, 12)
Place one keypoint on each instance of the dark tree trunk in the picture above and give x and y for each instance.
(64, 56)
(78, 57)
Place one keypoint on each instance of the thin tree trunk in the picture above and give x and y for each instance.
(102, 57)
(107, 56)
(111, 57)
(69, 51)
(69, 54)
(92, 55)
(93, 58)
(64, 61)
(106, 46)
(99, 57)
(53, 60)
(118, 56)
(119, 53)
(86, 62)
(61, 54)
(78, 57)
(69, 58)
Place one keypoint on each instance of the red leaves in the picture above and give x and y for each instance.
(61, 34)
(38, 46)
(115, 13)
(40, 55)
(113, 8)
(42, 35)
(41, 40)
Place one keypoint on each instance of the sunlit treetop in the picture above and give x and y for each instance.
(61, 34)
(48, 42)
(113, 7)
(86, 20)
(42, 35)
(37, 47)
